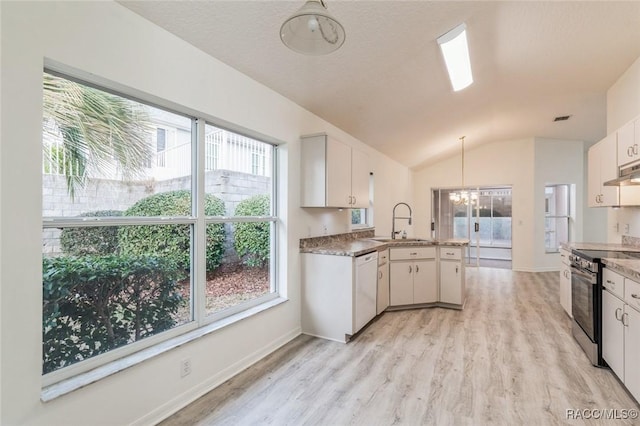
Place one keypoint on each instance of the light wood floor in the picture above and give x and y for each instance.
(507, 359)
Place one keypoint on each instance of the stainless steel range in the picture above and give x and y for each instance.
(586, 304)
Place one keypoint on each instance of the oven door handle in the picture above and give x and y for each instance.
(592, 278)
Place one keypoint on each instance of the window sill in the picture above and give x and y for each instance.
(64, 387)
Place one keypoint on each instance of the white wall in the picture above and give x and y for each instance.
(111, 44)
(527, 165)
(557, 162)
(623, 105)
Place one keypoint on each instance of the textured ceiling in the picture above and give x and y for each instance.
(388, 87)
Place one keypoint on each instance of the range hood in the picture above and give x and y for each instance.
(629, 175)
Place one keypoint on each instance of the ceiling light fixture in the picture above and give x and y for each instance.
(312, 30)
(456, 56)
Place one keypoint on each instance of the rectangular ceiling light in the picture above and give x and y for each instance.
(456, 56)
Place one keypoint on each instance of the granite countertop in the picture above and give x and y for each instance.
(600, 246)
(628, 267)
(369, 245)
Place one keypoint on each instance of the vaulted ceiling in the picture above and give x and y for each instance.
(388, 86)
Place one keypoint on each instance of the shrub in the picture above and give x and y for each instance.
(92, 240)
(172, 241)
(92, 304)
(251, 239)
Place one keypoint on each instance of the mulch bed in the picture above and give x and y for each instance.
(227, 286)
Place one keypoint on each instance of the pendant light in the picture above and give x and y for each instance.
(462, 197)
(312, 30)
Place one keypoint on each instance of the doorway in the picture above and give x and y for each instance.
(482, 215)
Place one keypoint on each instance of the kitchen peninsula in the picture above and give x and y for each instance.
(347, 279)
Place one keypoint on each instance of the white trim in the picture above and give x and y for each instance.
(186, 398)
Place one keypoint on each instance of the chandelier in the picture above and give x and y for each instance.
(463, 197)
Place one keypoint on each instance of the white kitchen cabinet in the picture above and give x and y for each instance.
(613, 332)
(382, 300)
(629, 142)
(603, 166)
(452, 280)
(565, 281)
(621, 330)
(412, 276)
(333, 174)
(338, 294)
(631, 351)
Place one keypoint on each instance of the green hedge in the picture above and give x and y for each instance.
(92, 304)
(172, 241)
(91, 240)
(251, 239)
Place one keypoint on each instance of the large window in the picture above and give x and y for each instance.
(557, 216)
(135, 248)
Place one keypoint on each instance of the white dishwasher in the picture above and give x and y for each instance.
(365, 289)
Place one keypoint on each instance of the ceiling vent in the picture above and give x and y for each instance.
(562, 118)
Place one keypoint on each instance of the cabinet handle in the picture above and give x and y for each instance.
(630, 151)
(456, 269)
(379, 275)
(618, 310)
(410, 270)
(417, 269)
(413, 254)
(635, 296)
(635, 149)
(354, 199)
(625, 323)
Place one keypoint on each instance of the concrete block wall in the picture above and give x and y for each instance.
(102, 194)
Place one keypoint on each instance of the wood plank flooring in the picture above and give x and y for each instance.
(507, 359)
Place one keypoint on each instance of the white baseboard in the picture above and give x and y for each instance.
(546, 269)
(186, 398)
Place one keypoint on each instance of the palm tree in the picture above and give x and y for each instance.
(98, 130)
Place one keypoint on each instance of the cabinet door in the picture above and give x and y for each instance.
(401, 280)
(593, 173)
(383, 288)
(608, 170)
(359, 179)
(631, 351)
(451, 282)
(338, 174)
(425, 281)
(627, 146)
(613, 333)
(565, 288)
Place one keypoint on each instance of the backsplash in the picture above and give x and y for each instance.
(328, 239)
(630, 241)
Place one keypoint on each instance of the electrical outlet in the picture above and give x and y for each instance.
(185, 367)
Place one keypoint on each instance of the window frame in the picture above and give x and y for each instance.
(196, 220)
(568, 216)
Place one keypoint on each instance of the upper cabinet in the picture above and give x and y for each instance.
(628, 142)
(602, 166)
(333, 174)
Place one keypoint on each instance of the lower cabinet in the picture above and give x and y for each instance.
(382, 298)
(412, 274)
(452, 280)
(621, 329)
(565, 282)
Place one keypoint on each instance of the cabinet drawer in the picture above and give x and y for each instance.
(613, 282)
(383, 257)
(632, 294)
(409, 253)
(450, 253)
(564, 256)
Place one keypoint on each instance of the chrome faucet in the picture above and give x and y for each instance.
(393, 223)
